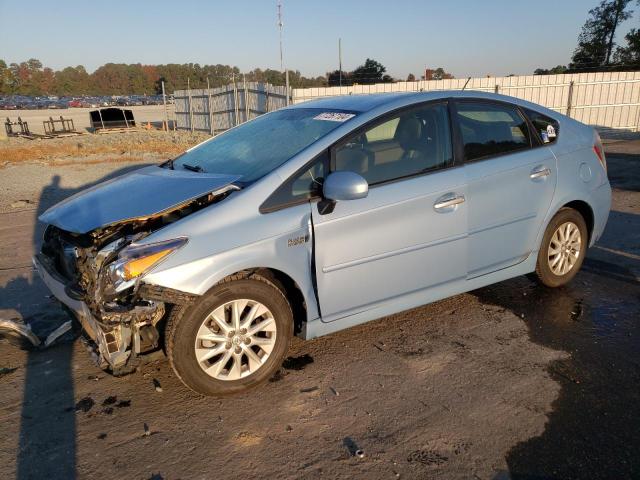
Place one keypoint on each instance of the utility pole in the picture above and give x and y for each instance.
(340, 60)
(282, 65)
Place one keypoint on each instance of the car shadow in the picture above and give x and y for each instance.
(593, 429)
(47, 441)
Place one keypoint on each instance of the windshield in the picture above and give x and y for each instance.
(256, 148)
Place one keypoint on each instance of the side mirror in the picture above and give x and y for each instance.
(343, 185)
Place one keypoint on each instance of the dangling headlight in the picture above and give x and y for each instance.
(135, 260)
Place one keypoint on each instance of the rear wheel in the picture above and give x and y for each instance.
(233, 339)
(563, 248)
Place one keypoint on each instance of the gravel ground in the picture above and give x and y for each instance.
(509, 381)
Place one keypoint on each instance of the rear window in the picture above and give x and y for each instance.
(490, 129)
(547, 129)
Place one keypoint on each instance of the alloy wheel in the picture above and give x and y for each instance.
(235, 339)
(564, 248)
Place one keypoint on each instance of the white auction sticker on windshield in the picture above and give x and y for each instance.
(334, 116)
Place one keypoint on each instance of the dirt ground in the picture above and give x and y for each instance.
(509, 381)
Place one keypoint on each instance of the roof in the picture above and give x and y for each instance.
(356, 103)
(365, 102)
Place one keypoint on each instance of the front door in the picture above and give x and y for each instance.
(409, 234)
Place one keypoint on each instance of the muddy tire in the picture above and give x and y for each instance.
(563, 248)
(232, 339)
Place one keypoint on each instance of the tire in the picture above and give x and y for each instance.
(229, 371)
(552, 271)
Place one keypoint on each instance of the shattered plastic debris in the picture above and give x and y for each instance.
(157, 386)
(309, 389)
(57, 333)
(12, 328)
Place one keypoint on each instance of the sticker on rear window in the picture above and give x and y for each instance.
(551, 132)
(334, 116)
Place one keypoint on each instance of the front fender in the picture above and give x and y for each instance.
(289, 252)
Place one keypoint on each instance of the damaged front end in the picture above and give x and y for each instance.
(98, 275)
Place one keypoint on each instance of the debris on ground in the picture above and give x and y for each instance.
(334, 391)
(85, 404)
(297, 363)
(57, 333)
(157, 386)
(147, 430)
(309, 389)
(123, 404)
(7, 370)
(109, 400)
(21, 203)
(352, 447)
(20, 331)
(102, 436)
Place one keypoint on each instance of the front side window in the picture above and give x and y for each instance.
(303, 186)
(489, 129)
(258, 147)
(412, 142)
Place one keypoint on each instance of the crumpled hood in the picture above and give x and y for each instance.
(139, 194)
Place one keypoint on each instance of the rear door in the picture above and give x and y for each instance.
(408, 235)
(511, 179)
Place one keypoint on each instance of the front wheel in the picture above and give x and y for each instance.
(234, 338)
(563, 248)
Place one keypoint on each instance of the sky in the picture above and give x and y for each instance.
(465, 37)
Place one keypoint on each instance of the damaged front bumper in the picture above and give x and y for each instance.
(114, 340)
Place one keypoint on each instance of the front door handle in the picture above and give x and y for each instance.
(539, 172)
(447, 203)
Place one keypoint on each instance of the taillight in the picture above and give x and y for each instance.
(598, 149)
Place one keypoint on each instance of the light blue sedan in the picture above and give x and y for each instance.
(318, 217)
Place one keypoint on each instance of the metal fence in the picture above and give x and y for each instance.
(216, 109)
(610, 101)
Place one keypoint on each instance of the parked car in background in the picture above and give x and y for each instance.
(319, 217)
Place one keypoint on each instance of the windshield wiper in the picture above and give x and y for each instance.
(193, 168)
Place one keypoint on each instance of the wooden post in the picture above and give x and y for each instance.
(246, 98)
(266, 92)
(166, 114)
(570, 99)
(190, 105)
(235, 100)
(212, 131)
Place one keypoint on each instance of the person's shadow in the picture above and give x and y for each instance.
(47, 443)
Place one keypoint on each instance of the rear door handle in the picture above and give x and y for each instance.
(539, 172)
(447, 202)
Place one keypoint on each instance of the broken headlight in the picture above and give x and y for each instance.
(135, 260)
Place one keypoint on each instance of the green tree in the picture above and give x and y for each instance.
(72, 81)
(629, 55)
(558, 69)
(6, 79)
(370, 72)
(411, 77)
(596, 41)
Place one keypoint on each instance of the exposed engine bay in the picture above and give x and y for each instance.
(101, 270)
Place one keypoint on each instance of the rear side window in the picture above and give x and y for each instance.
(547, 129)
(491, 129)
